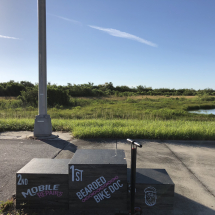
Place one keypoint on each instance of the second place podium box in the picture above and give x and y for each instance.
(43, 183)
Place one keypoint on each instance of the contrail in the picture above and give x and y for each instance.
(117, 33)
(6, 37)
(69, 20)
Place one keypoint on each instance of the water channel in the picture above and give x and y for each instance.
(203, 111)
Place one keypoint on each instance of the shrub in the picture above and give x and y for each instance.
(57, 96)
(29, 97)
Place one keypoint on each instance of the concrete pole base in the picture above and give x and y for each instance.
(52, 137)
(43, 126)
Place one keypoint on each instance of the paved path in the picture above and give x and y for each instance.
(190, 164)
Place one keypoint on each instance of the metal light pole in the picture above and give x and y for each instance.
(42, 125)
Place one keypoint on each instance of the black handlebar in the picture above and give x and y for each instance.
(135, 143)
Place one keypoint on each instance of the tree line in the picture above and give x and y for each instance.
(15, 89)
(27, 92)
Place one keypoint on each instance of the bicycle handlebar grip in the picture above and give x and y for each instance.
(129, 140)
(135, 143)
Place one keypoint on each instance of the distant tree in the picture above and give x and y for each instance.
(14, 88)
(123, 88)
(2, 90)
(140, 88)
(29, 97)
(26, 84)
(109, 86)
(57, 96)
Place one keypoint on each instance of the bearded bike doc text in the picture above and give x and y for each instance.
(99, 189)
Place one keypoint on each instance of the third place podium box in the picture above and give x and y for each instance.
(43, 183)
(98, 180)
(154, 189)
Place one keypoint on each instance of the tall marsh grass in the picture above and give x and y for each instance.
(160, 118)
(127, 108)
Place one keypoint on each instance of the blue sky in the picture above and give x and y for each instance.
(156, 43)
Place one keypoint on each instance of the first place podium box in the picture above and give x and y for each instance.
(154, 189)
(98, 180)
(43, 183)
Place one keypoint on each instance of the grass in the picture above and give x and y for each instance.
(158, 108)
(147, 129)
(5, 206)
(8, 208)
(117, 117)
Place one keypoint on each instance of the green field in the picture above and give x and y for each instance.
(120, 117)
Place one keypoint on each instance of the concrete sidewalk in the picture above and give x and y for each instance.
(190, 165)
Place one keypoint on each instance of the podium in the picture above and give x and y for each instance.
(154, 189)
(94, 179)
(43, 183)
(98, 180)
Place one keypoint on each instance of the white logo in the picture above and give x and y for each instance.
(77, 173)
(150, 196)
(22, 181)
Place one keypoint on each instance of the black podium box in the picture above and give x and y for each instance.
(43, 183)
(154, 189)
(98, 180)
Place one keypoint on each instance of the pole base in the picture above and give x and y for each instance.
(42, 126)
(52, 137)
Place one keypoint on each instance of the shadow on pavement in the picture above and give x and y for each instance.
(62, 145)
(191, 143)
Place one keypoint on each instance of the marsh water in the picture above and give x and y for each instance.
(203, 111)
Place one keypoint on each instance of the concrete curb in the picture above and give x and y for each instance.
(21, 135)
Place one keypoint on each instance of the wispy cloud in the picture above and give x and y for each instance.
(117, 33)
(6, 37)
(69, 20)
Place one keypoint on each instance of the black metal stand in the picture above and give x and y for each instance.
(134, 146)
